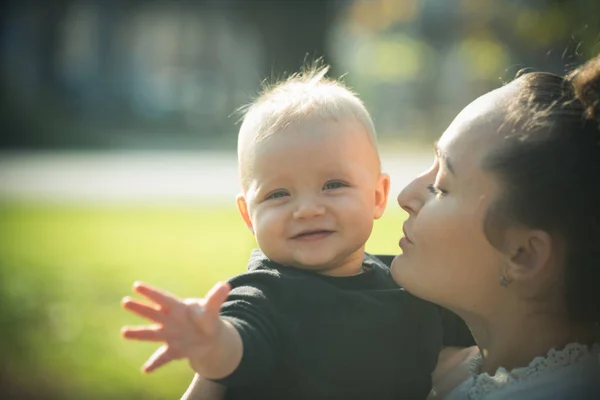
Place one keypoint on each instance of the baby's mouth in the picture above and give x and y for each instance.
(311, 235)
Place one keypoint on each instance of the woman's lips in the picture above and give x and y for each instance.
(405, 240)
(405, 243)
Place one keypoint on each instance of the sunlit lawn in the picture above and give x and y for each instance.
(64, 270)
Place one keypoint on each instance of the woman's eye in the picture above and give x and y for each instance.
(277, 195)
(436, 191)
(334, 185)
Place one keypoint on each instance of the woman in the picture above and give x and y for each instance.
(504, 230)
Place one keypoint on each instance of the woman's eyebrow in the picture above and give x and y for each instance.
(443, 156)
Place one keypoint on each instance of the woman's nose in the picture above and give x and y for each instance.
(414, 195)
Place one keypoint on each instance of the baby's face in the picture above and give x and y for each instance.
(313, 194)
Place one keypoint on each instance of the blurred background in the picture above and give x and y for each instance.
(117, 146)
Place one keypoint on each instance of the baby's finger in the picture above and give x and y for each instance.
(205, 312)
(195, 305)
(157, 360)
(143, 310)
(216, 297)
(161, 297)
(144, 333)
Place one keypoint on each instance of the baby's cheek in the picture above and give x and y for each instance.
(266, 226)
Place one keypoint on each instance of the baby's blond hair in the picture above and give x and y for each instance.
(306, 94)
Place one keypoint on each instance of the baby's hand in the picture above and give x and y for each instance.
(188, 328)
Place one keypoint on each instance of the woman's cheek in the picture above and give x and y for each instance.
(436, 234)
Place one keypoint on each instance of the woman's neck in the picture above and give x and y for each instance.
(512, 341)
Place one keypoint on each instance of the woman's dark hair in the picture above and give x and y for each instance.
(549, 165)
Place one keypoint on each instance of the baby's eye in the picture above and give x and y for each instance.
(277, 195)
(334, 185)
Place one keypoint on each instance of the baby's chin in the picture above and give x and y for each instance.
(314, 265)
(323, 266)
(304, 263)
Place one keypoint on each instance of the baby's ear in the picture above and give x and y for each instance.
(242, 206)
(382, 190)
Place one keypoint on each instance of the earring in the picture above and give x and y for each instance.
(504, 282)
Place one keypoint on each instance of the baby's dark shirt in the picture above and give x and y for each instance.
(311, 336)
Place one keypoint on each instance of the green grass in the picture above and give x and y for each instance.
(64, 270)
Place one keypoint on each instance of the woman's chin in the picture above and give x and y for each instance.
(406, 275)
(400, 270)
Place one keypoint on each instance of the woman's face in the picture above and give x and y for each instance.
(446, 257)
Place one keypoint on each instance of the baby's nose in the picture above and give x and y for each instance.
(308, 208)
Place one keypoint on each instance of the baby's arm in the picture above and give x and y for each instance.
(189, 329)
(459, 346)
(456, 333)
(203, 389)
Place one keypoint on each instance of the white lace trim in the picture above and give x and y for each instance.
(482, 384)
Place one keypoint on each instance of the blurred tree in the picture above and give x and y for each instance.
(40, 108)
(291, 30)
(50, 16)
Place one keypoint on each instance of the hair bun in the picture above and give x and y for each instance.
(586, 84)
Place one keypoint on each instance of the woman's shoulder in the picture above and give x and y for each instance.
(573, 381)
(572, 372)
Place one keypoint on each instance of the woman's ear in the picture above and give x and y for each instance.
(243, 209)
(529, 251)
(381, 195)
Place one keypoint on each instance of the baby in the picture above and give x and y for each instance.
(315, 317)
